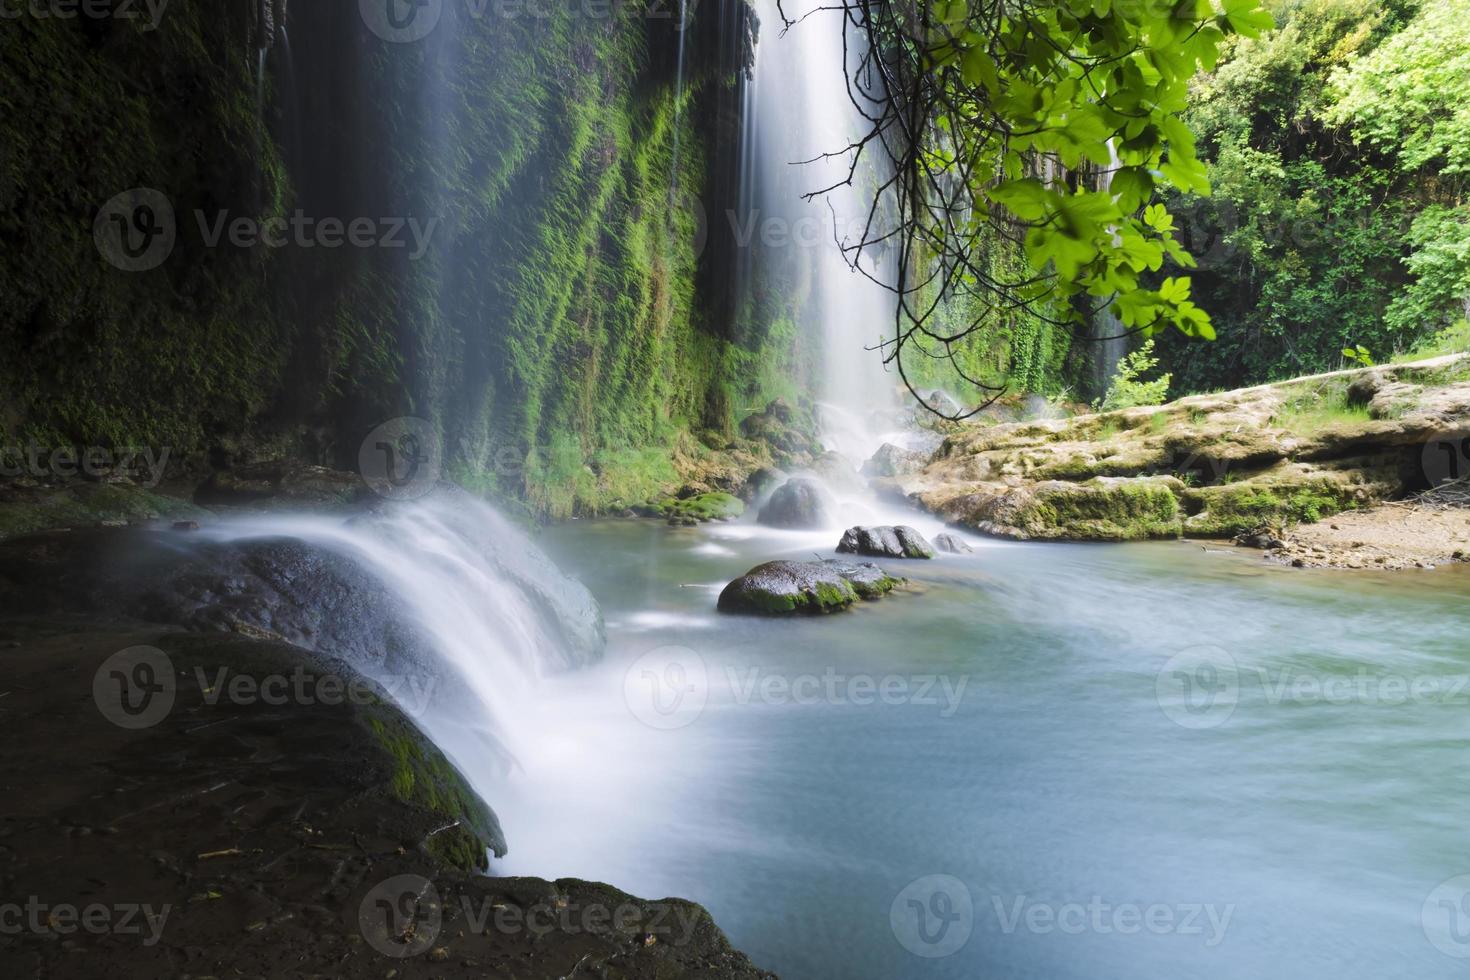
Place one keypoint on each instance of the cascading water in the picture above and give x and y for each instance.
(492, 614)
(801, 119)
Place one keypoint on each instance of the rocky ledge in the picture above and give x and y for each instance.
(1214, 466)
(194, 803)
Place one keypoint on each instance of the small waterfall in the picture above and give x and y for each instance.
(494, 614)
(801, 120)
(683, 28)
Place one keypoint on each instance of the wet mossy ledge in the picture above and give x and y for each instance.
(1260, 459)
(272, 833)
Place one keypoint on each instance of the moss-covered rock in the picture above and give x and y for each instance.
(785, 587)
(713, 506)
(1237, 508)
(80, 504)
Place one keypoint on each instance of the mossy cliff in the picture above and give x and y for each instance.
(1262, 458)
(557, 317)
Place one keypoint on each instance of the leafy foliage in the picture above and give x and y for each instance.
(1338, 216)
(1051, 125)
(1128, 390)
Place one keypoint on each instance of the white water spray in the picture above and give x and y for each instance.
(495, 615)
(801, 121)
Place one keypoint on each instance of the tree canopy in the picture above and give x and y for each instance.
(1049, 126)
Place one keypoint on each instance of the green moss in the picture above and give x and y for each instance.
(1104, 511)
(704, 507)
(1231, 509)
(423, 777)
(87, 505)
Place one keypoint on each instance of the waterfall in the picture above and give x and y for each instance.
(494, 616)
(683, 28)
(799, 109)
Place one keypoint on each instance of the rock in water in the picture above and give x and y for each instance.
(890, 460)
(798, 503)
(885, 542)
(950, 544)
(782, 587)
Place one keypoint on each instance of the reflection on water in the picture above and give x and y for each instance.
(1163, 761)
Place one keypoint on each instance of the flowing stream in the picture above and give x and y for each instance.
(1287, 812)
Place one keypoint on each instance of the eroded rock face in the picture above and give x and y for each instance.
(891, 460)
(799, 503)
(783, 587)
(885, 542)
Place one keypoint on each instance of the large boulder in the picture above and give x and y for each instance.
(783, 587)
(885, 542)
(891, 460)
(798, 503)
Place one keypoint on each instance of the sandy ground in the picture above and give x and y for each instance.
(1389, 536)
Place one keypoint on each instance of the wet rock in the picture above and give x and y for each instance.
(891, 460)
(788, 432)
(783, 587)
(762, 482)
(798, 503)
(941, 402)
(689, 511)
(885, 542)
(952, 545)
